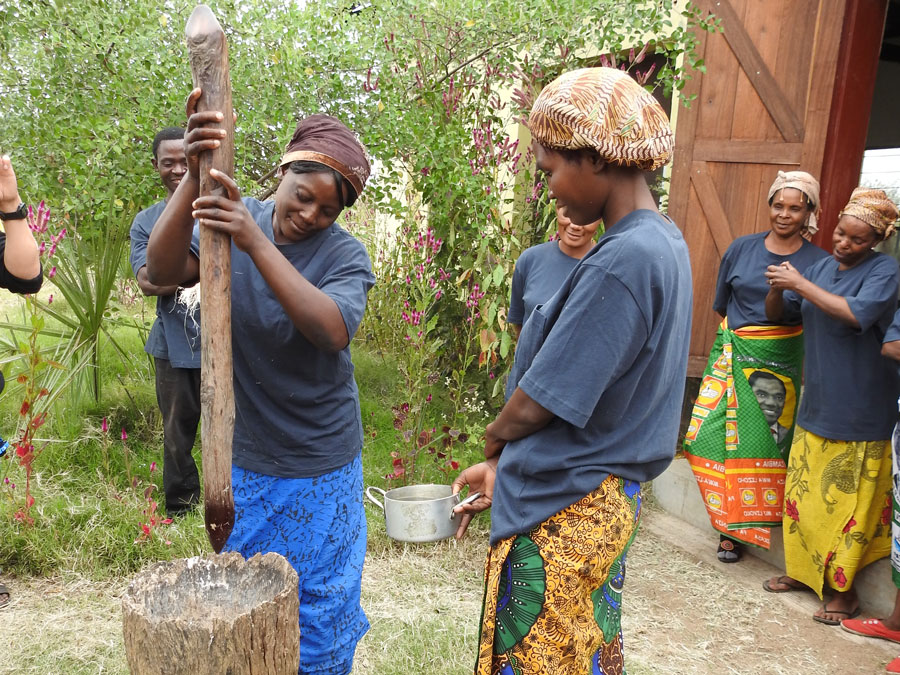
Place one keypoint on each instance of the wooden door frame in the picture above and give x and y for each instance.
(851, 107)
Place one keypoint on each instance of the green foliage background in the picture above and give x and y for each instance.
(85, 84)
(433, 89)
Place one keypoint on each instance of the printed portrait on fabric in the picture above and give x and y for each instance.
(776, 398)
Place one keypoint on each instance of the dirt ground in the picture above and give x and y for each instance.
(697, 616)
(684, 613)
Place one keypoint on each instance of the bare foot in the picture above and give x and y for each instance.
(840, 606)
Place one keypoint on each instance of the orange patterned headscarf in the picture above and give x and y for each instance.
(606, 110)
(874, 208)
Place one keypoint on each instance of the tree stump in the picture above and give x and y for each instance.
(213, 615)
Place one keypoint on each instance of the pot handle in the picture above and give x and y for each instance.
(372, 499)
(468, 500)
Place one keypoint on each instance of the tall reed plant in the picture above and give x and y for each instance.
(86, 274)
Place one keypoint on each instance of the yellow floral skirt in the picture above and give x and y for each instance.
(552, 601)
(837, 509)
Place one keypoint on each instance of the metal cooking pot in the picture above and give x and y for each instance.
(419, 513)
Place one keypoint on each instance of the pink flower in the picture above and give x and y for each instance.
(52, 272)
(50, 299)
(152, 467)
(104, 426)
(124, 435)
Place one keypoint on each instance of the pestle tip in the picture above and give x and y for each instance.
(202, 22)
(219, 523)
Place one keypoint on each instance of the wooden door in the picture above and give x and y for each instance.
(763, 104)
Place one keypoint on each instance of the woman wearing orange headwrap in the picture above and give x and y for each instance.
(838, 488)
(593, 407)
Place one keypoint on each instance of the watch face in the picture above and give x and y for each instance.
(19, 214)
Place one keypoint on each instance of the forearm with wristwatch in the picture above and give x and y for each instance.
(19, 212)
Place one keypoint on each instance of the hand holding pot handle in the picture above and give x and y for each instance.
(480, 478)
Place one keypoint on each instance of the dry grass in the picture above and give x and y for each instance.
(56, 627)
(683, 615)
(424, 604)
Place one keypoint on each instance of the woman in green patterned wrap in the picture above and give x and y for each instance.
(591, 410)
(758, 360)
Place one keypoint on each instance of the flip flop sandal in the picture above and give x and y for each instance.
(4, 596)
(728, 551)
(784, 581)
(835, 622)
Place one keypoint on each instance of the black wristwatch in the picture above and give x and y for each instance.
(19, 214)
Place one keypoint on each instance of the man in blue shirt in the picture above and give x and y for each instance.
(174, 341)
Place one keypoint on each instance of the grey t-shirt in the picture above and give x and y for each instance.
(539, 273)
(850, 390)
(742, 286)
(174, 335)
(607, 355)
(296, 407)
(893, 335)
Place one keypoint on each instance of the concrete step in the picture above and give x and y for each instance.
(676, 492)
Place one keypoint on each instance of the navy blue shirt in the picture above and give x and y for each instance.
(296, 407)
(893, 335)
(607, 355)
(850, 389)
(14, 283)
(742, 286)
(175, 336)
(539, 273)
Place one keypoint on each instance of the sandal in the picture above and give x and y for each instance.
(4, 596)
(836, 622)
(784, 580)
(729, 551)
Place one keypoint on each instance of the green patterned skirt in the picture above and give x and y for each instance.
(553, 596)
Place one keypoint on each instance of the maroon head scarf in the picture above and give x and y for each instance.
(326, 140)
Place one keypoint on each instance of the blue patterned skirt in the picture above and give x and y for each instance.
(319, 525)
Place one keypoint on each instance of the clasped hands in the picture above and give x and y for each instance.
(783, 277)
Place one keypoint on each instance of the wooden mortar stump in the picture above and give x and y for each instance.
(213, 614)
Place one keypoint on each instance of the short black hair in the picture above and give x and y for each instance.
(167, 134)
(763, 375)
(305, 166)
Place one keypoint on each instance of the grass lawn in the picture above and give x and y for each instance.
(92, 491)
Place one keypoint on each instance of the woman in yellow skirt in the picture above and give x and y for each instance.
(837, 511)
